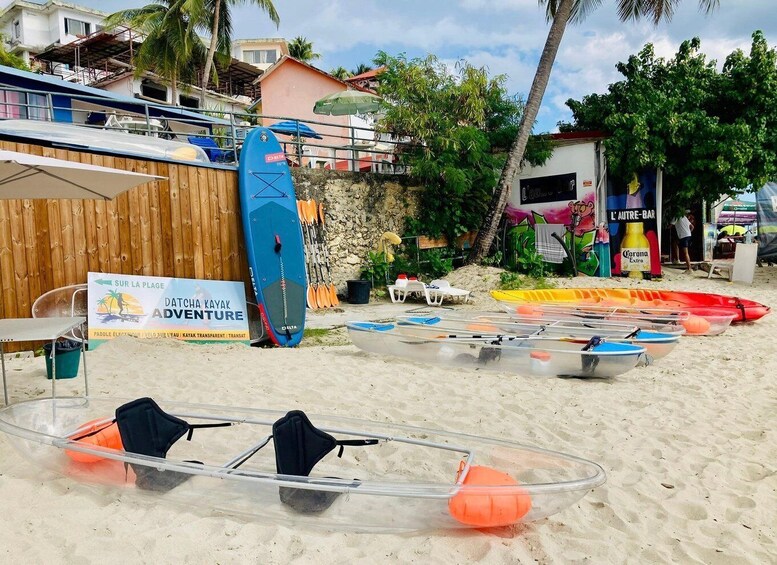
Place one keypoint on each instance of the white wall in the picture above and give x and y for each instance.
(579, 158)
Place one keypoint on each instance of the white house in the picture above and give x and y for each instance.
(28, 28)
(261, 53)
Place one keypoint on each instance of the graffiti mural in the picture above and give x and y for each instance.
(576, 215)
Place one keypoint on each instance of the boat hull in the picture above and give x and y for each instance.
(405, 483)
(509, 354)
(745, 310)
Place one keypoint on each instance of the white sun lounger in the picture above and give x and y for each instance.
(434, 293)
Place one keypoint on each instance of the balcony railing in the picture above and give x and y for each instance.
(221, 133)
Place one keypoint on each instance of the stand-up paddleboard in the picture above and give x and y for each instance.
(273, 236)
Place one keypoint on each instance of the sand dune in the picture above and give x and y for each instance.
(689, 445)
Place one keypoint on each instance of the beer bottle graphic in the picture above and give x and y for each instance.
(635, 251)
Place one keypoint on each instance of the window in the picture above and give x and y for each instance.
(77, 27)
(152, 90)
(554, 188)
(17, 30)
(22, 105)
(260, 56)
(188, 101)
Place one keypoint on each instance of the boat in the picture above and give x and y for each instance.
(696, 303)
(82, 138)
(704, 321)
(284, 467)
(273, 236)
(524, 355)
(657, 344)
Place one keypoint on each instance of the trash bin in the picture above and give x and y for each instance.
(358, 291)
(68, 356)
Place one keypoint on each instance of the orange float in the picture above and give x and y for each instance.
(95, 433)
(696, 325)
(484, 509)
(529, 310)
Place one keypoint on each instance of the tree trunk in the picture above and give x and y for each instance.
(211, 53)
(488, 228)
(174, 88)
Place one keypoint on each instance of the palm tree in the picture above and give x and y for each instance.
(340, 72)
(215, 16)
(559, 12)
(302, 49)
(361, 69)
(113, 296)
(171, 48)
(105, 303)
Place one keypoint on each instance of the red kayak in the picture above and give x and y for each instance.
(693, 302)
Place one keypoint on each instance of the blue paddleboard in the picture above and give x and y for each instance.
(273, 236)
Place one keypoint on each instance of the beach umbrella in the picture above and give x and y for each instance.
(293, 127)
(348, 102)
(732, 229)
(30, 176)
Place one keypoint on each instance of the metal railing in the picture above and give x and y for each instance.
(334, 147)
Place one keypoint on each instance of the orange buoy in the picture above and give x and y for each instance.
(487, 509)
(696, 325)
(95, 432)
(529, 310)
(540, 355)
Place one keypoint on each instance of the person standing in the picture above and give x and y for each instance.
(684, 226)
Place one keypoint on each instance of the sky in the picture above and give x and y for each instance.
(505, 36)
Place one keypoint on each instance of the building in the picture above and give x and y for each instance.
(29, 28)
(368, 80)
(261, 53)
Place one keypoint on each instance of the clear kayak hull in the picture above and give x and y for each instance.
(510, 354)
(706, 321)
(657, 344)
(413, 479)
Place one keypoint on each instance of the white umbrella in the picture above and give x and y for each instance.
(29, 176)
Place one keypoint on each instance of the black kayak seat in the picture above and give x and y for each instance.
(299, 445)
(146, 429)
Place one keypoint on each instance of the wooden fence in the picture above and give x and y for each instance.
(185, 226)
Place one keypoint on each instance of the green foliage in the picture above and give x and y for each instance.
(509, 280)
(427, 264)
(530, 262)
(711, 132)
(171, 47)
(9, 59)
(302, 49)
(460, 126)
(493, 260)
(377, 268)
(340, 72)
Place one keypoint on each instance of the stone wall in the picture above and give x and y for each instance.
(358, 208)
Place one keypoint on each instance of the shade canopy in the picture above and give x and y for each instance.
(30, 176)
(347, 103)
(293, 127)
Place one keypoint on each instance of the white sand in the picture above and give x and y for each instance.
(689, 446)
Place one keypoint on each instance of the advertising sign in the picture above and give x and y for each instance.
(159, 307)
(631, 214)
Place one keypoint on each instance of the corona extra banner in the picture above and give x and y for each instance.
(632, 218)
(156, 307)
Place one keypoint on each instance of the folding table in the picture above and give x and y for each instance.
(39, 329)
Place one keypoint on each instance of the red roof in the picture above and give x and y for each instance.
(368, 75)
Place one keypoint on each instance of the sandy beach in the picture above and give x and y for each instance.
(689, 445)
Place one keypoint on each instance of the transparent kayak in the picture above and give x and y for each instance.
(407, 479)
(708, 321)
(657, 344)
(522, 355)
